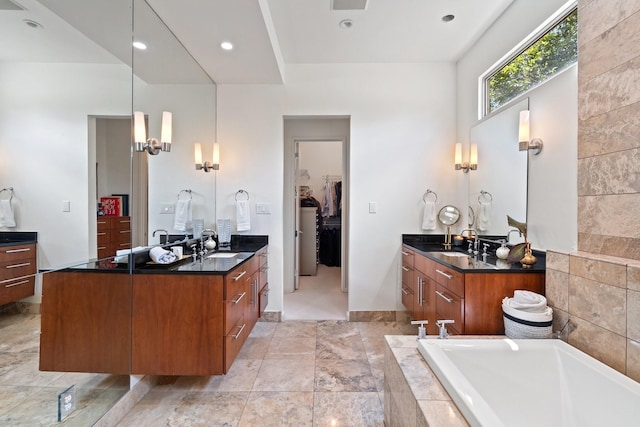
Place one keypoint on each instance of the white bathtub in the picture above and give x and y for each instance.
(504, 382)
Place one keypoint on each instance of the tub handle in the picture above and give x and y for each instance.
(448, 276)
(444, 297)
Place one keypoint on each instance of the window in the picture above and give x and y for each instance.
(545, 53)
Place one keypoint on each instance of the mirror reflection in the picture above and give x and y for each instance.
(69, 82)
(499, 188)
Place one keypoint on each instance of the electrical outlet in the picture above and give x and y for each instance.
(263, 208)
(66, 206)
(166, 208)
(66, 403)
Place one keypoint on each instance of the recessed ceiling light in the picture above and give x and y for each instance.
(346, 24)
(226, 45)
(140, 45)
(448, 18)
(32, 24)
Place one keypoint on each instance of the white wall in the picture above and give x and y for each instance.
(402, 122)
(552, 196)
(44, 111)
(320, 159)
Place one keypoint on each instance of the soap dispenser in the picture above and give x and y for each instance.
(503, 251)
(422, 331)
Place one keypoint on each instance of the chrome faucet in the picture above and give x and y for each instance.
(442, 326)
(511, 231)
(166, 234)
(474, 235)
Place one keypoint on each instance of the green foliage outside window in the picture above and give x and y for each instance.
(553, 52)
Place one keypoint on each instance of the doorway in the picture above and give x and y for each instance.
(316, 228)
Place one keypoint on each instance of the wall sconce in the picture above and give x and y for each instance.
(472, 164)
(523, 135)
(206, 166)
(152, 145)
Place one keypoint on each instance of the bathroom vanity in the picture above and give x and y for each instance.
(189, 318)
(438, 284)
(17, 265)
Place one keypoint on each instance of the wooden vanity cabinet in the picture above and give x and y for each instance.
(263, 279)
(472, 300)
(17, 272)
(113, 234)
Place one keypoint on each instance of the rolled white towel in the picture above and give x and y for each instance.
(162, 256)
(528, 301)
(544, 315)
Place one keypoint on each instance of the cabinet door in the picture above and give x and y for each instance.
(450, 306)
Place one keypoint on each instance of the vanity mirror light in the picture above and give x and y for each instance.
(500, 189)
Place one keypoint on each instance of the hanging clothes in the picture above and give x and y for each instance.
(332, 199)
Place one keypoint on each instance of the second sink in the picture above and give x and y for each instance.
(222, 255)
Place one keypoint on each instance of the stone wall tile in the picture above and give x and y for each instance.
(610, 272)
(558, 261)
(557, 289)
(633, 359)
(604, 345)
(598, 303)
(610, 215)
(612, 90)
(598, 16)
(633, 315)
(611, 132)
(623, 247)
(633, 276)
(614, 173)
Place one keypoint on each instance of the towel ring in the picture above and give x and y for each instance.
(241, 192)
(487, 196)
(10, 190)
(427, 193)
(185, 191)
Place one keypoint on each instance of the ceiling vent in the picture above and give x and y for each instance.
(349, 4)
(10, 5)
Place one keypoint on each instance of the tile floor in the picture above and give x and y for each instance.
(292, 373)
(29, 397)
(319, 297)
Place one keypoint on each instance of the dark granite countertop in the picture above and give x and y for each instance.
(244, 247)
(430, 245)
(11, 238)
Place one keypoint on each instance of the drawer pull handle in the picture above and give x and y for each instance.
(237, 300)
(24, 264)
(236, 336)
(125, 231)
(265, 292)
(22, 282)
(405, 253)
(405, 292)
(444, 297)
(405, 268)
(13, 251)
(235, 279)
(448, 276)
(102, 234)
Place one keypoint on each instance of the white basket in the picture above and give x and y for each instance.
(526, 324)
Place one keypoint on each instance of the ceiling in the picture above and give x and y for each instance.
(267, 35)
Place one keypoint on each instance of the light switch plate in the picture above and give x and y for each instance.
(263, 208)
(166, 208)
(373, 207)
(66, 206)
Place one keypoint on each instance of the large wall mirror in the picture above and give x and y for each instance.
(69, 83)
(499, 186)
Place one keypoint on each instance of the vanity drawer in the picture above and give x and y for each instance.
(120, 223)
(407, 298)
(233, 341)
(449, 278)
(17, 252)
(16, 289)
(449, 306)
(407, 277)
(15, 269)
(234, 282)
(264, 298)
(408, 257)
(234, 309)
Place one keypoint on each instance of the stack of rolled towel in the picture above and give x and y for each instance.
(527, 315)
(162, 256)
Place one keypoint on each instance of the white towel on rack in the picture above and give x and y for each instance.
(183, 216)
(429, 216)
(243, 216)
(484, 216)
(6, 214)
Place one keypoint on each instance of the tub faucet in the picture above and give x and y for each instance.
(166, 234)
(442, 326)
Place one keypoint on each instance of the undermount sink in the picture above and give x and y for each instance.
(452, 254)
(222, 255)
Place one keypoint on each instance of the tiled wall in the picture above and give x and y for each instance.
(598, 287)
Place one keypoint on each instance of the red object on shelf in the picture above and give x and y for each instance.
(111, 206)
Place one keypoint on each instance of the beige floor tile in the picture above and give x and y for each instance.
(347, 409)
(299, 329)
(349, 347)
(291, 348)
(266, 409)
(343, 375)
(285, 375)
